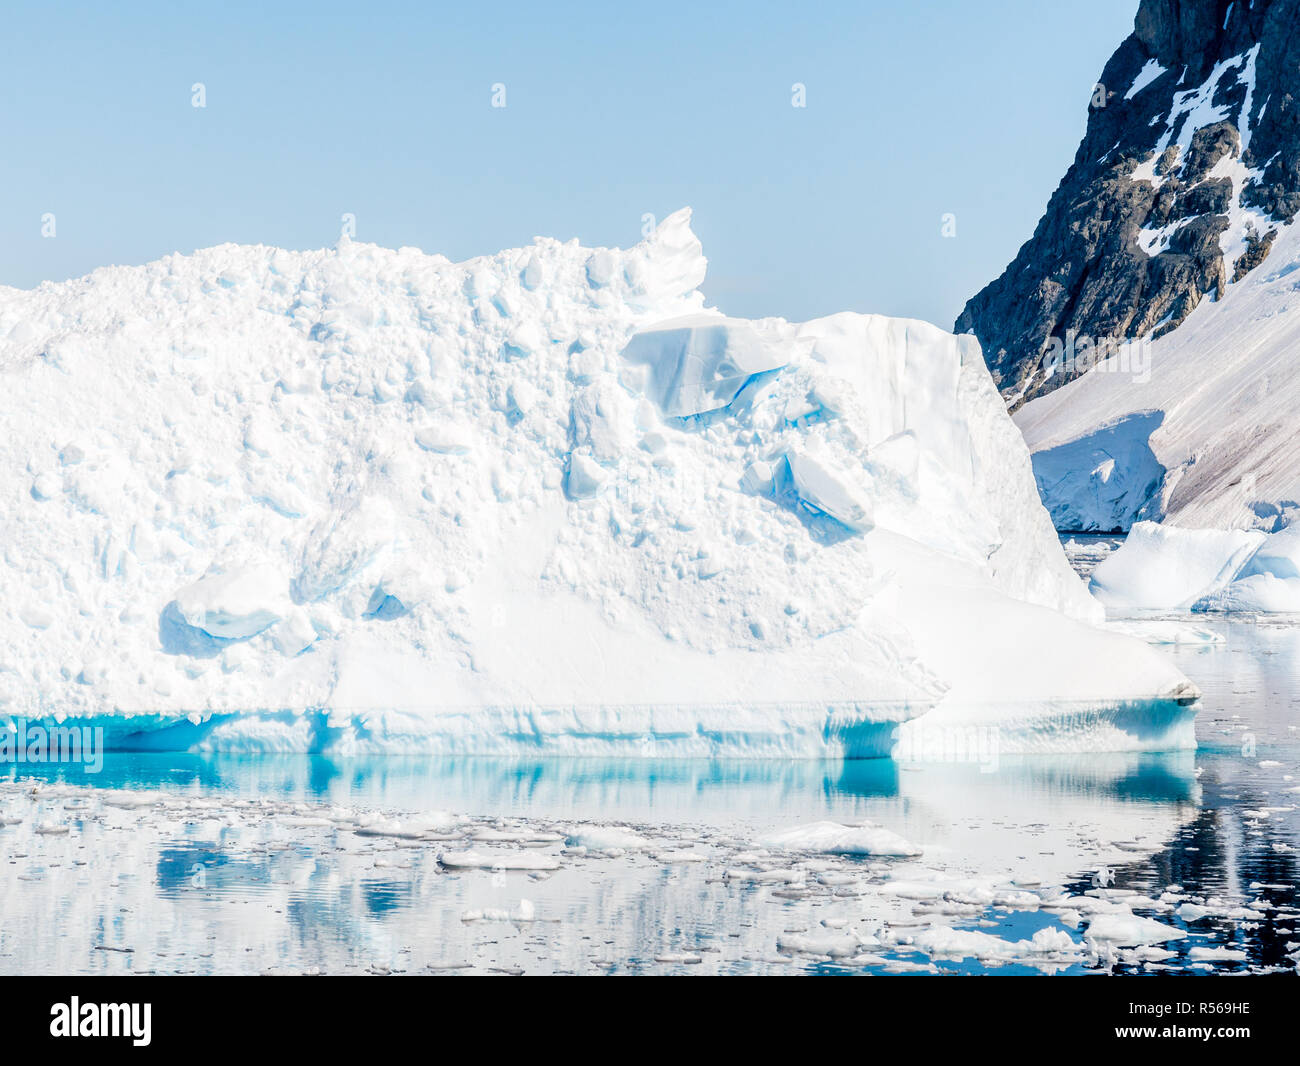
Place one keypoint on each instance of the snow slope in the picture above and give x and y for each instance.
(1209, 445)
(1210, 438)
(365, 499)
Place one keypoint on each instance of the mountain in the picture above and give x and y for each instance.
(1173, 232)
(1187, 172)
(369, 499)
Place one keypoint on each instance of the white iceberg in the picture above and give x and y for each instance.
(540, 500)
(1167, 568)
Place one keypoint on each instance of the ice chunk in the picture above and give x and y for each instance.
(603, 419)
(759, 478)
(585, 477)
(831, 943)
(46, 487)
(498, 859)
(36, 616)
(831, 838)
(533, 273)
(1126, 929)
(812, 482)
(606, 838)
(600, 269)
(295, 633)
(235, 604)
(446, 439)
(669, 264)
(700, 363)
(944, 942)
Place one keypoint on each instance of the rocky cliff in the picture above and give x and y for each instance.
(1189, 166)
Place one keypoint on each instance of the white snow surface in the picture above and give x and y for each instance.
(1145, 77)
(1213, 430)
(366, 499)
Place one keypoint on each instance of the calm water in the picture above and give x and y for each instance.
(203, 863)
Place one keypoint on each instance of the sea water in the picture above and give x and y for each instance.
(211, 863)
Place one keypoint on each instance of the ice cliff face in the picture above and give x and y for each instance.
(370, 498)
(1188, 168)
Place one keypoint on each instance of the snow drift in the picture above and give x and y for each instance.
(364, 499)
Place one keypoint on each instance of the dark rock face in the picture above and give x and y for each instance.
(1190, 163)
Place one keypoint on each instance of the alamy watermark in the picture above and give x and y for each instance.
(977, 745)
(25, 743)
(130, 1021)
(1078, 353)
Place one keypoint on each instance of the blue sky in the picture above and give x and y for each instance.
(613, 111)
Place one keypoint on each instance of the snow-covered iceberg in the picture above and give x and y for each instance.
(365, 499)
(1167, 568)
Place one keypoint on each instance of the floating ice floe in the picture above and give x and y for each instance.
(834, 839)
(1123, 928)
(614, 839)
(827, 943)
(1049, 943)
(498, 859)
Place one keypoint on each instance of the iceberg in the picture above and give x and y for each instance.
(1168, 568)
(362, 499)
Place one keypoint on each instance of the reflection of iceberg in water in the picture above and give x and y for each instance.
(248, 858)
(658, 789)
(1047, 818)
(1098, 797)
(621, 787)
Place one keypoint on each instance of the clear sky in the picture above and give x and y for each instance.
(915, 109)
